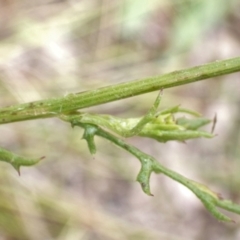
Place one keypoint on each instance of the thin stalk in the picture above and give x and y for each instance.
(55, 106)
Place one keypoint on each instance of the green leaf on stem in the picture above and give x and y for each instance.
(211, 200)
(16, 160)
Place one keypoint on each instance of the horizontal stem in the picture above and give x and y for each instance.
(71, 102)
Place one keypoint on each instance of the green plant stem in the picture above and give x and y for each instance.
(210, 199)
(53, 107)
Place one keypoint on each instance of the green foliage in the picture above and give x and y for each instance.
(162, 126)
(17, 161)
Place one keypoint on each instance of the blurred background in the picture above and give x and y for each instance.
(49, 48)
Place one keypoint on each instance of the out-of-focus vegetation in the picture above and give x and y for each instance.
(51, 48)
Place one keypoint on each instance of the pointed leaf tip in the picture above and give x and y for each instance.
(146, 189)
(17, 168)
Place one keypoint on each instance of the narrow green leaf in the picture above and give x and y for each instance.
(144, 176)
(16, 160)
